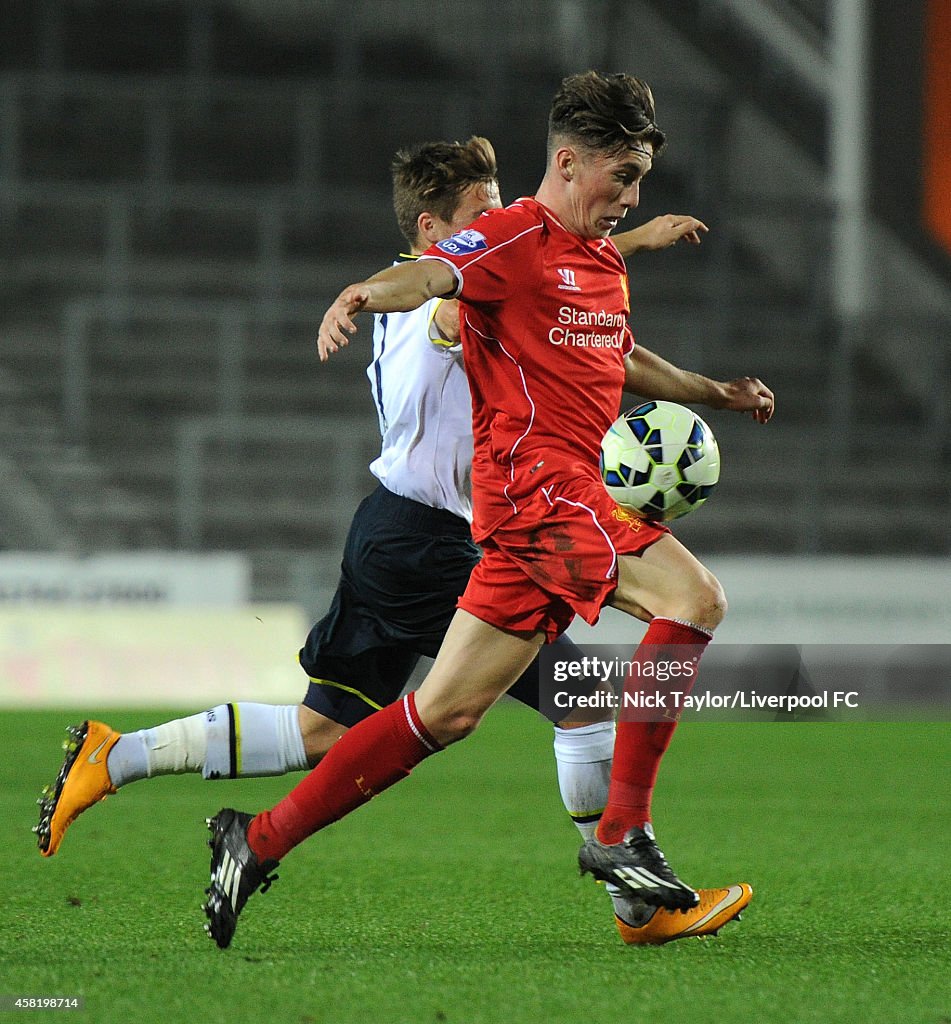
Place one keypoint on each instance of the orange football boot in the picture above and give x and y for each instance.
(83, 780)
(715, 909)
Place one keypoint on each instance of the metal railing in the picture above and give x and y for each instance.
(791, 36)
(159, 99)
(163, 99)
(336, 443)
(231, 320)
(272, 210)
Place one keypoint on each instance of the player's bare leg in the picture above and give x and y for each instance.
(475, 666)
(685, 603)
(318, 732)
(667, 580)
(451, 711)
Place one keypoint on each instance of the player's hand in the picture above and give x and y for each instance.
(337, 323)
(749, 394)
(662, 232)
(446, 322)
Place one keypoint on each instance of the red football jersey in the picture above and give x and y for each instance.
(544, 334)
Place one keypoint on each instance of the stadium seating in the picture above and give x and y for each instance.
(183, 192)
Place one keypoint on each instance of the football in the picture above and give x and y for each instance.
(660, 460)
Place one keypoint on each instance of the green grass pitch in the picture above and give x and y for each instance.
(455, 897)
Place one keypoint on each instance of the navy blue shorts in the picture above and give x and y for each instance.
(404, 567)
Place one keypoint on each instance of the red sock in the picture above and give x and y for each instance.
(369, 758)
(640, 746)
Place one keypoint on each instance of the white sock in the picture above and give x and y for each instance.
(630, 910)
(229, 741)
(584, 757)
(128, 761)
(251, 740)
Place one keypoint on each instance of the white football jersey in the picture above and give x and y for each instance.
(422, 400)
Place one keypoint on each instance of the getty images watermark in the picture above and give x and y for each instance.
(762, 682)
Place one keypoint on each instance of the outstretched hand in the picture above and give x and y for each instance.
(664, 231)
(749, 394)
(337, 323)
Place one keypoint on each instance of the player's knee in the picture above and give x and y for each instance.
(700, 599)
(710, 602)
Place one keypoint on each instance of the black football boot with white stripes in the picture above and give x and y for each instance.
(236, 872)
(636, 866)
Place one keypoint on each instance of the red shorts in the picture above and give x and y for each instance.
(555, 559)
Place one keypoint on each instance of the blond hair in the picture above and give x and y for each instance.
(432, 177)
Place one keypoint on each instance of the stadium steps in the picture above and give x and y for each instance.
(307, 576)
(66, 477)
(79, 138)
(179, 368)
(141, 385)
(237, 523)
(144, 379)
(278, 496)
(785, 488)
(103, 135)
(723, 526)
(173, 130)
(752, 71)
(285, 489)
(143, 37)
(776, 483)
(63, 277)
(161, 38)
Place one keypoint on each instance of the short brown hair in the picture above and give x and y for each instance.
(607, 112)
(432, 177)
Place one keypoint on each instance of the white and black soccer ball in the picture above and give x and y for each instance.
(660, 460)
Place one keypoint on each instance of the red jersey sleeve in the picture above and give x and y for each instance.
(488, 257)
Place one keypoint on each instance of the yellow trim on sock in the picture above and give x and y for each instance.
(237, 741)
(574, 815)
(348, 689)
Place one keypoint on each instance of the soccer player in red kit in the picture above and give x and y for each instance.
(544, 309)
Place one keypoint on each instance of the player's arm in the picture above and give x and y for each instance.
(649, 376)
(660, 233)
(444, 328)
(394, 290)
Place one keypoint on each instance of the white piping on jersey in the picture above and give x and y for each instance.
(601, 244)
(531, 420)
(547, 213)
(502, 245)
(594, 519)
(495, 248)
(376, 383)
(456, 273)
